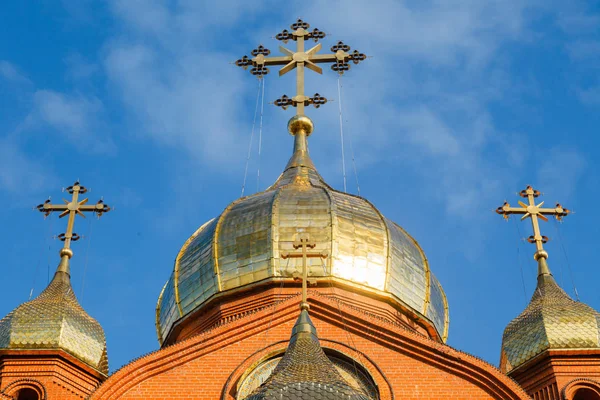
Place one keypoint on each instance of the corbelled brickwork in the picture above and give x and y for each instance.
(404, 364)
(52, 374)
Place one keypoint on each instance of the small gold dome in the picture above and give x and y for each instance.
(552, 320)
(55, 320)
(243, 246)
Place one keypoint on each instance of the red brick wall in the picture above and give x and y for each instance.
(55, 375)
(404, 364)
(556, 374)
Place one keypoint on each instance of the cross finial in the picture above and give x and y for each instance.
(533, 211)
(72, 208)
(303, 241)
(340, 57)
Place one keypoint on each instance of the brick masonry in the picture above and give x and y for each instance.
(403, 361)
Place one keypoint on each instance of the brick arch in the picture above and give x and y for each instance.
(570, 390)
(336, 347)
(199, 367)
(13, 389)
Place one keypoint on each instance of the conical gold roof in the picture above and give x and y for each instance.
(305, 372)
(244, 244)
(56, 320)
(552, 320)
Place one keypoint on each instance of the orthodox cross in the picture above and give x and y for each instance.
(304, 243)
(72, 208)
(299, 59)
(534, 212)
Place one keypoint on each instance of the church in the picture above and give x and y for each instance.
(301, 291)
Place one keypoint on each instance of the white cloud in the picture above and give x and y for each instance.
(12, 74)
(18, 171)
(76, 117)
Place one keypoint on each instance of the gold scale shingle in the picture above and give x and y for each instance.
(56, 320)
(552, 320)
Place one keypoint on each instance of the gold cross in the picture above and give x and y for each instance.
(304, 242)
(534, 212)
(72, 208)
(299, 59)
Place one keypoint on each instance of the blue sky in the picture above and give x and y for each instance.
(462, 104)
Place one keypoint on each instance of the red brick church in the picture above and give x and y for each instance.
(300, 292)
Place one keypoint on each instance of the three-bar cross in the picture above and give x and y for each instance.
(534, 212)
(304, 243)
(72, 208)
(299, 59)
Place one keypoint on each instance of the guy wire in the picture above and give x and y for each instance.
(251, 138)
(45, 241)
(519, 261)
(262, 107)
(87, 253)
(562, 244)
(342, 131)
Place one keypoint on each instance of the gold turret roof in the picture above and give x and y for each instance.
(305, 372)
(551, 321)
(56, 320)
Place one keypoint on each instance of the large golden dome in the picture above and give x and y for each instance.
(243, 246)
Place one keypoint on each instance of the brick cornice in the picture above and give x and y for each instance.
(393, 336)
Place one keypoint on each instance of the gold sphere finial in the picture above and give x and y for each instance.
(300, 123)
(540, 254)
(66, 252)
(304, 306)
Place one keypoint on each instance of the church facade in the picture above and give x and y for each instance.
(300, 292)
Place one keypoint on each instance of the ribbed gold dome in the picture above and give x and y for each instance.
(552, 320)
(243, 246)
(55, 320)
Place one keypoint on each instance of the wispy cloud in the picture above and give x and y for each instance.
(18, 171)
(75, 117)
(12, 74)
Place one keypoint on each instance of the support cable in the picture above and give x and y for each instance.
(519, 260)
(251, 138)
(262, 107)
(45, 243)
(342, 131)
(87, 253)
(354, 164)
(562, 244)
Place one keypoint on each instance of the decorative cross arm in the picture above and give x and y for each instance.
(284, 101)
(533, 211)
(340, 59)
(72, 208)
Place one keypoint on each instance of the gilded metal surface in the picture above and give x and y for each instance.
(305, 372)
(55, 320)
(298, 60)
(534, 212)
(72, 208)
(552, 320)
(364, 247)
